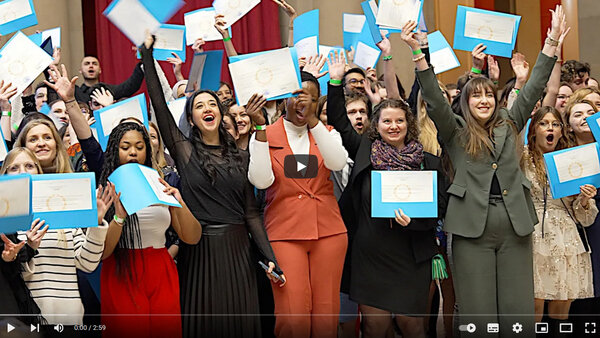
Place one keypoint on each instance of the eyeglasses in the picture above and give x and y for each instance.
(546, 125)
(355, 81)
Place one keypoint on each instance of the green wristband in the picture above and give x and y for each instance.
(335, 82)
(6, 113)
(227, 39)
(260, 127)
(417, 52)
(387, 58)
(475, 70)
(516, 91)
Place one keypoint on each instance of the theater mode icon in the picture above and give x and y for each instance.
(300, 166)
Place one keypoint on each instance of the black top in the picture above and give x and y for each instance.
(230, 199)
(122, 90)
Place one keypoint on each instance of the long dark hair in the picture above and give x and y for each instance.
(229, 154)
(130, 236)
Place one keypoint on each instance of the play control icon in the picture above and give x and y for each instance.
(300, 166)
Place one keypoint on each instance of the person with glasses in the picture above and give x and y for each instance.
(562, 268)
(354, 81)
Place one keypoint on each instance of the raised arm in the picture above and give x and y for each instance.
(6, 92)
(438, 108)
(554, 83)
(291, 12)
(179, 147)
(336, 105)
(260, 171)
(128, 87)
(219, 25)
(177, 63)
(533, 89)
(389, 73)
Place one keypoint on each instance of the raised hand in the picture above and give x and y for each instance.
(493, 69)
(197, 46)
(6, 92)
(337, 65)
(11, 250)
(558, 18)
(35, 235)
(371, 74)
(373, 96)
(521, 69)
(351, 54)
(177, 63)
(56, 57)
(103, 97)
(305, 101)
(104, 199)
(385, 45)
(479, 56)
(408, 36)
(314, 65)
(149, 40)
(220, 25)
(289, 10)
(254, 109)
(62, 85)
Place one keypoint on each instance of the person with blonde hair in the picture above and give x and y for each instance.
(42, 138)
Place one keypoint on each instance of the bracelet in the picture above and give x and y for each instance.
(227, 39)
(335, 82)
(516, 90)
(6, 113)
(260, 127)
(387, 58)
(418, 58)
(120, 221)
(475, 70)
(550, 41)
(70, 101)
(417, 52)
(495, 82)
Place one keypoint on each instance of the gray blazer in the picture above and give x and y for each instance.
(470, 190)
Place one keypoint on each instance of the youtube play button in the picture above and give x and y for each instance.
(300, 166)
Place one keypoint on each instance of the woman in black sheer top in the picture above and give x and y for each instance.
(216, 275)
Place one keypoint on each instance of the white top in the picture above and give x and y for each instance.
(260, 172)
(51, 275)
(154, 222)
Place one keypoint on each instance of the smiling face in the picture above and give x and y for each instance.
(297, 112)
(564, 93)
(90, 68)
(241, 118)
(224, 93)
(206, 115)
(482, 103)
(594, 97)
(132, 148)
(358, 115)
(577, 119)
(354, 82)
(548, 132)
(59, 110)
(22, 164)
(40, 140)
(392, 126)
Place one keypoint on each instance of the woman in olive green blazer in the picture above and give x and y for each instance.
(490, 212)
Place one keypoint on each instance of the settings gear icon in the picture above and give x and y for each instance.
(517, 327)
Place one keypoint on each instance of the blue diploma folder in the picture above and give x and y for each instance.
(437, 41)
(294, 59)
(306, 26)
(209, 75)
(136, 192)
(103, 139)
(19, 23)
(350, 38)
(381, 209)
(461, 42)
(571, 187)
(85, 218)
(162, 10)
(594, 124)
(12, 224)
(164, 54)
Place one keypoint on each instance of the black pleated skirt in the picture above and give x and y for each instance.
(219, 296)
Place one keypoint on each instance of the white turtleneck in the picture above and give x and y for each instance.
(260, 172)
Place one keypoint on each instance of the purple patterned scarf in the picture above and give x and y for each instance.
(387, 157)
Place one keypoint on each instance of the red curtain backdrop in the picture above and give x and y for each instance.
(257, 31)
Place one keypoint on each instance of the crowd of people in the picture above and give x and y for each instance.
(513, 254)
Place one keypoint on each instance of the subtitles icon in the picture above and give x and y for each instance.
(493, 328)
(300, 166)
(541, 327)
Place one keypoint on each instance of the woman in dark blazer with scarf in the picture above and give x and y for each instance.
(391, 258)
(490, 211)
